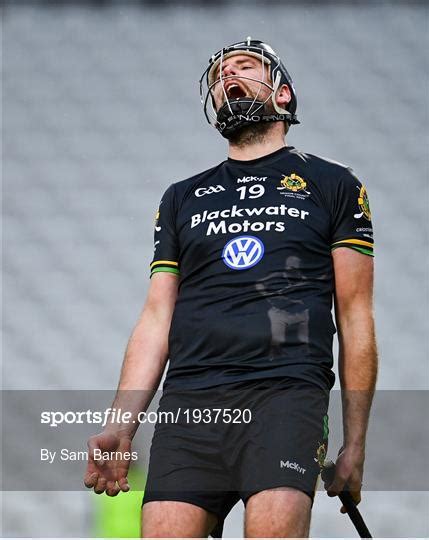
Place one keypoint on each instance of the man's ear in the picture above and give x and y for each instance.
(283, 96)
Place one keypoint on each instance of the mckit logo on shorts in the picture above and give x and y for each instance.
(292, 465)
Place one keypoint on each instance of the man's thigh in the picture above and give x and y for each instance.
(281, 452)
(285, 444)
(186, 476)
(176, 519)
(278, 513)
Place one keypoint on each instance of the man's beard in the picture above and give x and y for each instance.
(254, 133)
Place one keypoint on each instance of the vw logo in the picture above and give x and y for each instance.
(243, 252)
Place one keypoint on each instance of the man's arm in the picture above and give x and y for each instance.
(144, 363)
(147, 351)
(354, 275)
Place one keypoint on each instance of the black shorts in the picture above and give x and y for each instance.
(222, 444)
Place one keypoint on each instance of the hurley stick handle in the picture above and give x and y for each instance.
(328, 475)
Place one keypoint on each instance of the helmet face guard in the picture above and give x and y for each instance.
(239, 112)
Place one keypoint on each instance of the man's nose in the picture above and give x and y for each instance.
(229, 70)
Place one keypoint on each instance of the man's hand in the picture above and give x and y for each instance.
(348, 474)
(110, 475)
(142, 369)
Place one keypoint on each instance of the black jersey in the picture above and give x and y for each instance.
(251, 242)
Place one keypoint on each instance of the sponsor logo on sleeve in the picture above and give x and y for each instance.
(363, 203)
(157, 227)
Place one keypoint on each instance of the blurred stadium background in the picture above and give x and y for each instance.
(101, 112)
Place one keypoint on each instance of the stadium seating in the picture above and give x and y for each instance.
(101, 113)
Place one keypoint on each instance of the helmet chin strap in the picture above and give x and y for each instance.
(236, 114)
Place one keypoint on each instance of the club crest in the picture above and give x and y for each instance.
(293, 185)
(321, 455)
(363, 202)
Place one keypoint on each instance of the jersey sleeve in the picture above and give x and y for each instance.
(166, 246)
(351, 216)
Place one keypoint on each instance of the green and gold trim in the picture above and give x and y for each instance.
(164, 266)
(363, 246)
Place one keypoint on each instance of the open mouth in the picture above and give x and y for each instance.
(234, 91)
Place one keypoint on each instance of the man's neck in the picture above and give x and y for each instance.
(257, 149)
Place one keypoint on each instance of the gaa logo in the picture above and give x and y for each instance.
(200, 192)
(243, 252)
